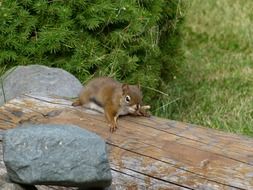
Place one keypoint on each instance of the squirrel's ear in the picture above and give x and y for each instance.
(125, 88)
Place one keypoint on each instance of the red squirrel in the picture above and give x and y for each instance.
(114, 98)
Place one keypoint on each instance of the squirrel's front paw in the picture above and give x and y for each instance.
(143, 111)
(113, 127)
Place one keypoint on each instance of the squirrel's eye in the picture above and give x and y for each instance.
(127, 99)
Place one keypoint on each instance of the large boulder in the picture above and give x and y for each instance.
(39, 80)
(56, 155)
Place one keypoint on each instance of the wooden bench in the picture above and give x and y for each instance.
(150, 153)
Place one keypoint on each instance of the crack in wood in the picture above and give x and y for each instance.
(180, 168)
(153, 177)
(43, 100)
(251, 164)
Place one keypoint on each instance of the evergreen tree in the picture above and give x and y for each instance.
(125, 39)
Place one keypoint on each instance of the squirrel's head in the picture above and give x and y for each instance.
(131, 97)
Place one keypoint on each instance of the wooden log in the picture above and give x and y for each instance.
(150, 153)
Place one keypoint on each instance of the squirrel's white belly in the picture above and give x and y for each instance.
(94, 106)
(122, 111)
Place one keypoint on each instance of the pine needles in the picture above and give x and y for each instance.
(125, 39)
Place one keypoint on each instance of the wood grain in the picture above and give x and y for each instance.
(150, 153)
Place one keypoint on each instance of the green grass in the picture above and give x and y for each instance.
(214, 85)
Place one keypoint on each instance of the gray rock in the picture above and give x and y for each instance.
(39, 80)
(56, 155)
(6, 184)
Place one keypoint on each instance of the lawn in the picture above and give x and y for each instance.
(214, 84)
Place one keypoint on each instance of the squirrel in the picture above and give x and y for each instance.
(114, 98)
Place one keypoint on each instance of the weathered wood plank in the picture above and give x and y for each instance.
(126, 160)
(128, 179)
(169, 152)
(207, 165)
(231, 145)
